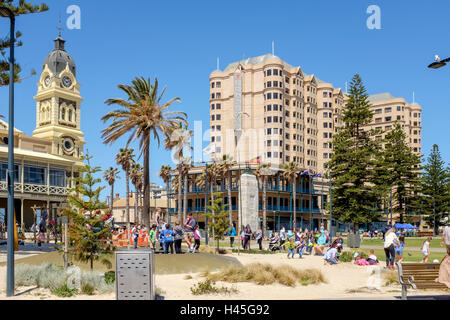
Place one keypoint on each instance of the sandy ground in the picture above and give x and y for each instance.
(344, 281)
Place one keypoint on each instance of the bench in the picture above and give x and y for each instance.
(422, 234)
(418, 276)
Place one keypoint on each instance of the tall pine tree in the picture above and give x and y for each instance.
(352, 165)
(434, 196)
(401, 168)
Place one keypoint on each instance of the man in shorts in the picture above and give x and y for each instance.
(189, 228)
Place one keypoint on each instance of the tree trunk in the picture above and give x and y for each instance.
(230, 207)
(112, 198)
(92, 264)
(264, 207)
(146, 209)
(179, 193)
(128, 206)
(136, 214)
(294, 195)
(212, 211)
(168, 201)
(185, 197)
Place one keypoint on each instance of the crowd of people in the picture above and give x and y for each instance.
(169, 237)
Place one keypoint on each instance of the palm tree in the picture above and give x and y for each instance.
(166, 173)
(110, 176)
(136, 176)
(186, 166)
(262, 172)
(225, 167)
(141, 115)
(125, 159)
(178, 138)
(291, 171)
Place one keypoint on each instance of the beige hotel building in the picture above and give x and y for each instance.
(281, 114)
(287, 115)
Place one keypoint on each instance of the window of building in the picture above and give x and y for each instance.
(4, 168)
(218, 128)
(212, 107)
(218, 117)
(377, 111)
(34, 175)
(275, 72)
(269, 107)
(269, 84)
(57, 178)
(388, 119)
(218, 84)
(212, 84)
(275, 107)
(387, 110)
(269, 72)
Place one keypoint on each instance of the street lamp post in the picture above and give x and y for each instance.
(7, 13)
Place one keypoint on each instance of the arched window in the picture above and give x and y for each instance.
(63, 113)
(69, 116)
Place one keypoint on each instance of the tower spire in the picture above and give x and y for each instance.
(59, 27)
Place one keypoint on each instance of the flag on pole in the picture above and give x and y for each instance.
(255, 160)
(306, 172)
(209, 149)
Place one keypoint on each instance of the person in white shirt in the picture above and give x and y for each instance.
(390, 239)
(426, 249)
(446, 238)
(330, 256)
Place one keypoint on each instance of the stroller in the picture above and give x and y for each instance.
(274, 243)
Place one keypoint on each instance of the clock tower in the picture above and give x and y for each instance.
(58, 104)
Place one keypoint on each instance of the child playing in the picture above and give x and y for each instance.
(291, 246)
(168, 239)
(399, 249)
(300, 243)
(196, 238)
(372, 259)
(426, 250)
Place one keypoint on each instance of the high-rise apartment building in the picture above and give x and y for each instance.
(279, 114)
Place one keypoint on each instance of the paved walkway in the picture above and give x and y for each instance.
(27, 250)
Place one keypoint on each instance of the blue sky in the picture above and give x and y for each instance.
(179, 42)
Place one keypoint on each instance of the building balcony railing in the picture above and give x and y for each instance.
(268, 209)
(35, 188)
(299, 190)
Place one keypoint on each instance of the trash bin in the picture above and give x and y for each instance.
(350, 239)
(356, 240)
(135, 275)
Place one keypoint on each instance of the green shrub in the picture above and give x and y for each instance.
(51, 277)
(26, 275)
(346, 256)
(87, 289)
(110, 277)
(208, 287)
(64, 291)
(57, 279)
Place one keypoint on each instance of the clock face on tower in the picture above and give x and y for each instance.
(67, 82)
(47, 81)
